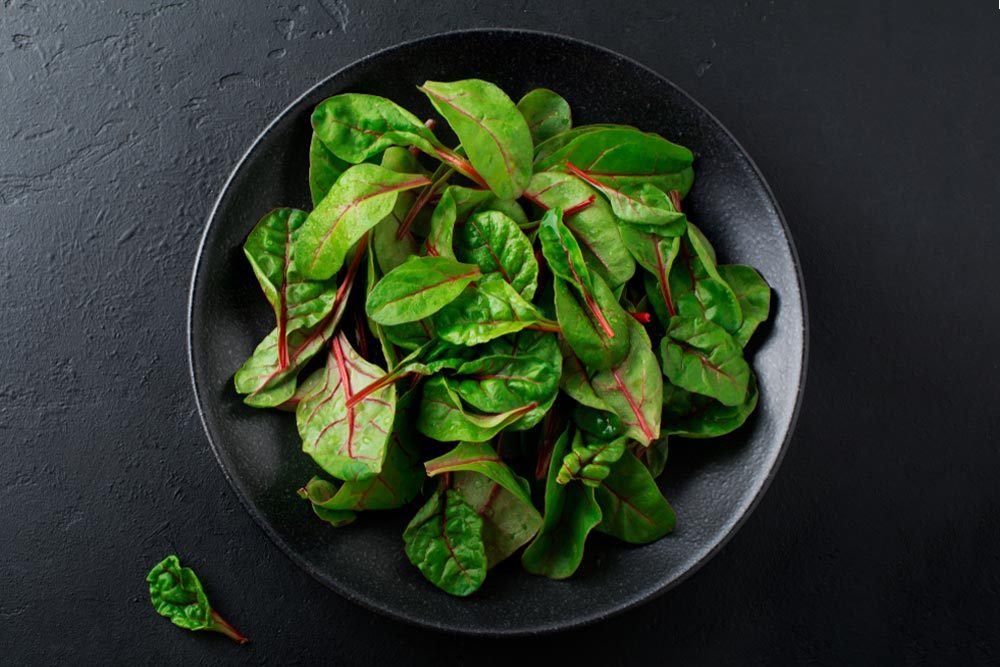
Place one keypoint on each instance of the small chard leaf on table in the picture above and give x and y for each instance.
(361, 197)
(571, 512)
(445, 541)
(589, 217)
(177, 594)
(753, 295)
(697, 288)
(489, 309)
(591, 318)
(703, 358)
(491, 129)
(546, 113)
(443, 415)
(632, 507)
(695, 416)
(348, 442)
(355, 127)
(418, 288)
(324, 169)
(620, 156)
(633, 388)
(497, 494)
(496, 244)
(590, 462)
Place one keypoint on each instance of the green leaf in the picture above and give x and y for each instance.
(632, 506)
(754, 297)
(491, 129)
(444, 540)
(696, 416)
(354, 127)
(298, 303)
(439, 242)
(618, 156)
(656, 254)
(177, 594)
(444, 417)
(589, 339)
(320, 492)
(590, 462)
(594, 224)
(509, 207)
(575, 380)
(571, 512)
(654, 457)
(599, 424)
(494, 242)
(633, 388)
(489, 309)
(697, 288)
(324, 169)
(348, 442)
(418, 288)
(508, 522)
(552, 144)
(638, 203)
(479, 457)
(703, 358)
(391, 250)
(546, 113)
(361, 197)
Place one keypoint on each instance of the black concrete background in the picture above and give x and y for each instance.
(874, 122)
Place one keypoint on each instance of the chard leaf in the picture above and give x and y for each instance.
(698, 289)
(633, 388)
(754, 297)
(696, 416)
(575, 380)
(598, 424)
(444, 540)
(298, 303)
(495, 242)
(349, 443)
(489, 309)
(439, 242)
(177, 594)
(491, 129)
(418, 288)
(654, 457)
(590, 219)
(324, 169)
(546, 113)
(585, 335)
(391, 247)
(571, 512)
(444, 417)
(638, 203)
(361, 197)
(632, 507)
(355, 127)
(703, 358)
(590, 463)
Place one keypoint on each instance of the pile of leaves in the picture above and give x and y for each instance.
(519, 322)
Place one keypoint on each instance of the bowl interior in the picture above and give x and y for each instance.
(711, 484)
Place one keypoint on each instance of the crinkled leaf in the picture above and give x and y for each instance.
(491, 129)
(361, 197)
(418, 288)
(324, 169)
(696, 416)
(546, 113)
(444, 417)
(177, 594)
(697, 288)
(349, 443)
(754, 297)
(444, 540)
(593, 225)
(703, 358)
(495, 242)
(632, 507)
(590, 462)
(508, 521)
(486, 310)
(571, 512)
(633, 388)
(354, 127)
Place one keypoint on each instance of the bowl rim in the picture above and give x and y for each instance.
(614, 609)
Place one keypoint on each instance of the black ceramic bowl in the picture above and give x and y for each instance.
(713, 485)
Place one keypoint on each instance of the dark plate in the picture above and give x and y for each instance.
(713, 485)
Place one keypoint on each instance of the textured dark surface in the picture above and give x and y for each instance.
(710, 485)
(875, 123)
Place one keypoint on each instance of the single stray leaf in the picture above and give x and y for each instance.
(177, 594)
